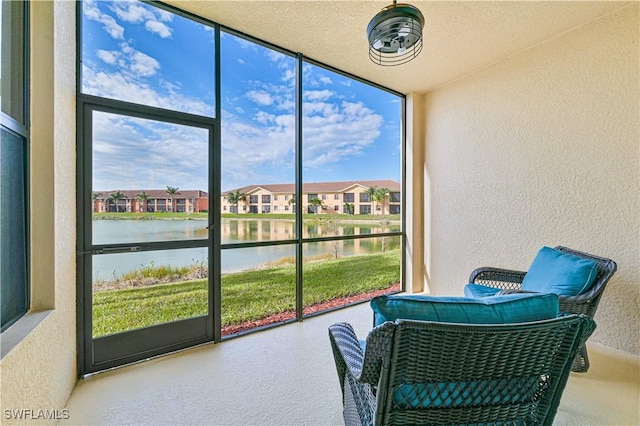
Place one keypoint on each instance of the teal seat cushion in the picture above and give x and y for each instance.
(553, 271)
(408, 396)
(506, 309)
(478, 290)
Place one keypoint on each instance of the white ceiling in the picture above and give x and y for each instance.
(460, 37)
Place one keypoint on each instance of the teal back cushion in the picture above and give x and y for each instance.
(507, 309)
(553, 271)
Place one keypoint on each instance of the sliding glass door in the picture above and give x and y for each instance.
(147, 235)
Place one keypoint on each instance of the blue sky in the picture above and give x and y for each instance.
(138, 53)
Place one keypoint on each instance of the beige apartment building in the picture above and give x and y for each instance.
(346, 197)
(153, 200)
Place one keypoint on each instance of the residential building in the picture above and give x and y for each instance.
(150, 201)
(351, 197)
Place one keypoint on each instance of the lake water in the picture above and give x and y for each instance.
(107, 266)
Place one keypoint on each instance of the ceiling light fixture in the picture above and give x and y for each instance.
(395, 34)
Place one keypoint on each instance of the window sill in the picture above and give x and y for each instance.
(15, 334)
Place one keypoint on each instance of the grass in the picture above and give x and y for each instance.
(192, 216)
(246, 296)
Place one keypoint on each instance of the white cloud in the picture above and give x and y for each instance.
(335, 132)
(136, 13)
(318, 108)
(243, 164)
(163, 15)
(91, 11)
(126, 86)
(159, 28)
(132, 12)
(131, 153)
(108, 56)
(143, 64)
(286, 105)
(318, 95)
(275, 56)
(131, 59)
(325, 80)
(260, 97)
(288, 75)
(264, 117)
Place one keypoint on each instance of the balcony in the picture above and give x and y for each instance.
(527, 135)
(286, 376)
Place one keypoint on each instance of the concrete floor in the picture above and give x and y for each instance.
(286, 376)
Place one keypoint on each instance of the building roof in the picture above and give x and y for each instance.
(319, 187)
(154, 193)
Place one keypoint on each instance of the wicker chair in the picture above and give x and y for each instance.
(429, 373)
(585, 303)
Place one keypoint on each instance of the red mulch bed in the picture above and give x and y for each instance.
(288, 315)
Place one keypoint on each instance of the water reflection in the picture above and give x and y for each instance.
(233, 230)
(106, 267)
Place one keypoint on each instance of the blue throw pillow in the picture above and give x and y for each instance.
(553, 271)
(507, 309)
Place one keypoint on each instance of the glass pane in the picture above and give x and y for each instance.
(135, 290)
(258, 287)
(145, 171)
(136, 52)
(12, 71)
(337, 273)
(351, 146)
(330, 225)
(258, 132)
(236, 230)
(13, 228)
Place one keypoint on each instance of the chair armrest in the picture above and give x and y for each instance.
(506, 279)
(358, 396)
(347, 352)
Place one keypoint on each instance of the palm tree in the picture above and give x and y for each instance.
(316, 202)
(235, 198)
(114, 197)
(144, 198)
(381, 196)
(372, 192)
(171, 192)
(350, 208)
(292, 202)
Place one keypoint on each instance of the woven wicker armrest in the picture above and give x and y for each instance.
(588, 327)
(364, 367)
(347, 352)
(507, 279)
(358, 389)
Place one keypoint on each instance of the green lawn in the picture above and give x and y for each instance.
(246, 296)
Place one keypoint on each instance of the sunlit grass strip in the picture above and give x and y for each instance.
(246, 296)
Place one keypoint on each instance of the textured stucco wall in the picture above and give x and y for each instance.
(40, 371)
(542, 148)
